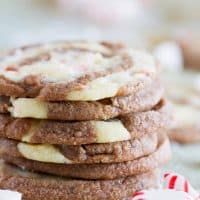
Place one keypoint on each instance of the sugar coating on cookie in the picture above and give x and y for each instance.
(114, 152)
(76, 71)
(93, 171)
(127, 127)
(38, 186)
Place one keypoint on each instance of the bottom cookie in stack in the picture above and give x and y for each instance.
(99, 181)
(40, 187)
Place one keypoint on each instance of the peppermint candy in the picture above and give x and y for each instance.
(175, 187)
(161, 194)
(179, 183)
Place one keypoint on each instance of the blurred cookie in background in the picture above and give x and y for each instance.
(182, 88)
(106, 13)
(190, 45)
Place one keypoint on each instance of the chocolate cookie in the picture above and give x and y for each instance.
(96, 171)
(92, 153)
(77, 71)
(40, 187)
(127, 127)
(141, 100)
(185, 128)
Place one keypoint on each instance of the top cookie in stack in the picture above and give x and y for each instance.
(93, 81)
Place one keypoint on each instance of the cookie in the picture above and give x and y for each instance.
(127, 127)
(95, 171)
(92, 153)
(38, 187)
(185, 128)
(76, 71)
(182, 87)
(183, 91)
(141, 100)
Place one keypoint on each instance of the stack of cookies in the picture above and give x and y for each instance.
(91, 114)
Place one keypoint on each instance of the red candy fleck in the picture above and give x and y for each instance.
(172, 182)
(141, 193)
(186, 187)
(166, 175)
(11, 68)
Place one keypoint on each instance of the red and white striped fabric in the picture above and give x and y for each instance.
(175, 187)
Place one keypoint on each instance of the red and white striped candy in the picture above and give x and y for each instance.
(179, 183)
(161, 194)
